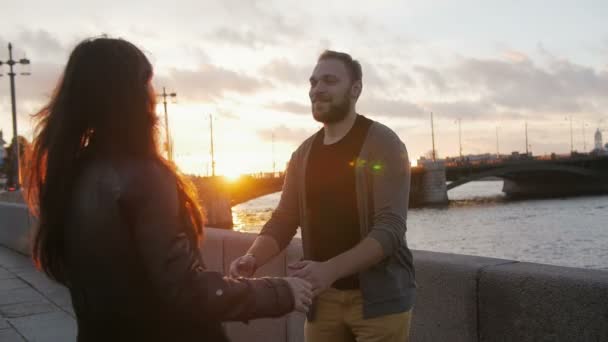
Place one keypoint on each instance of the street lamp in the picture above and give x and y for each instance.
(571, 135)
(527, 144)
(584, 138)
(168, 142)
(274, 169)
(211, 146)
(434, 153)
(458, 121)
(497, 147)
(16, 176)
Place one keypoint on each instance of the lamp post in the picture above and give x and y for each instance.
(211, 145)
(434, 153)
(274, 168)
(16, 175)
(497, 147)
(168, 142)
(459, 138)
(584, 138)
(571, 135)
(527, 145)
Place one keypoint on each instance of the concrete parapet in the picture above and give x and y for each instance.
(225, 246)
(446, 305)
(15, 223)
(460, 298)
(275, 329)
(532, 302)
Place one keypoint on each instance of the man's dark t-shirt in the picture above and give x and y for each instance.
(331, 196)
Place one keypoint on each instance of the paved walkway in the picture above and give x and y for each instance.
(32, 307)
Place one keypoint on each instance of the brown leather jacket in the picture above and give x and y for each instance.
(135, 270)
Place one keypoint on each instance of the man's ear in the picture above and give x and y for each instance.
(355, 90)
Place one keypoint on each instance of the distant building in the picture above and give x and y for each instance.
(598, 140)
(466, 159)
(599, 149)
(422, 161)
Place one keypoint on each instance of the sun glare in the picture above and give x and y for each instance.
(232, 176)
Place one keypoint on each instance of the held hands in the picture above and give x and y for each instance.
(320, 274)
(243, 266)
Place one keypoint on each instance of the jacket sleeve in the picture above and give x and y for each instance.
(390, 174)
(172, 260)
(285, 219)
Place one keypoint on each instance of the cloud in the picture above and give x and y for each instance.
(210, 83)
(516, 84)
(290, 107)
(390, 108)
(562, 87)
(516, 56)
(361, 24)
(396, 74)
(247, 38)
(463, 109)
(257, 26)
(226, 114)
(41, 46)
(34, 88)
(47, 55)
(373, 78)
(272, 23)
(286, 72)
(41, 43)
(432, 78)
(285, 134)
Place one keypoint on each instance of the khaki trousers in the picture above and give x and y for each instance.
(339, 317)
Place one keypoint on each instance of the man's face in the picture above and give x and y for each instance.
(330, 91)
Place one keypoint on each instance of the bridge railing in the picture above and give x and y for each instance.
(264, 175)
(519, 159)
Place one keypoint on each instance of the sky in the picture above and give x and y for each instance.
(494, 65)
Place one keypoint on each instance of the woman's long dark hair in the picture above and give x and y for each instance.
(103, 105)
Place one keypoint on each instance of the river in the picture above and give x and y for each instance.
(480, 220)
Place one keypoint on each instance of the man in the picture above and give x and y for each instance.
(347, 187)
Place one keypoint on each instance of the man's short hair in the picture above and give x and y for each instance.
(352, 65)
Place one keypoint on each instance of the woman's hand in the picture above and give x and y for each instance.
(302, 293)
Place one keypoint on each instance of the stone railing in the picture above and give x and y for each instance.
(460, 298)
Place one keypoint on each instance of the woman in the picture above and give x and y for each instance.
(117, 225)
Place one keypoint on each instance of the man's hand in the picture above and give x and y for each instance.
(319, 274)
(243, 266)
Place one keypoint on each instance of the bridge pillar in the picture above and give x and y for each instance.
(428, 185)
(216, 202)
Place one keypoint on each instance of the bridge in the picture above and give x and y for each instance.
(524, 176)
(536, 176)
(242, 189)
(219, 194)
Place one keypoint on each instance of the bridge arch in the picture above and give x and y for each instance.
(504, 172)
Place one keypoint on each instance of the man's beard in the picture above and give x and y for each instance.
(336, 112)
